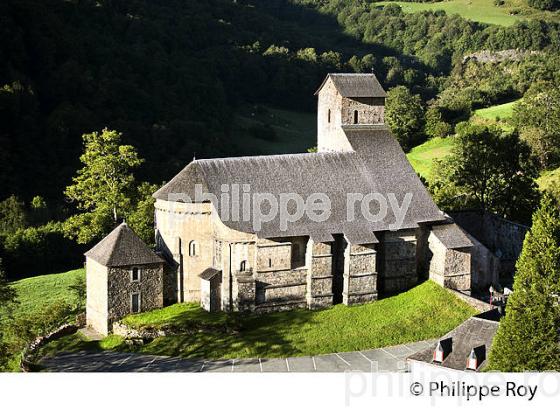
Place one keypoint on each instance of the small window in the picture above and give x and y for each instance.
(135, 302)
(329, 116)
(269, 263)
(135, 275)
(355, 116)
(243, 266)
(192, 248)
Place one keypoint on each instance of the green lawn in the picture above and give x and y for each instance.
(295, 131)
(497, 112)
(422, 156)
(426, 311)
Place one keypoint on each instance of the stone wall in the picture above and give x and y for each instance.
(360, 274)
(121, 288)
(178, 225)
(398, 266)
(319, 278)
(502, 237)
(485, 266)
(244, 292)
(450, 268)
(330, 136)
(370, 110)
(97, 304)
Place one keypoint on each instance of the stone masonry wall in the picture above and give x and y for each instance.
(121, 287)
(450, 268)
(398, 267)
(370, 110)
(319, 259)
(502, 237)
(330, 136)
(360, 275)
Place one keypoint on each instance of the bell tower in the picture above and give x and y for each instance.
(347, 101)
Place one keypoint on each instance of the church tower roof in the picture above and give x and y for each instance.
(122, 247)
(355, 85)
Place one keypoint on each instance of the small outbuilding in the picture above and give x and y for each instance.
(124, 276)
(210, 289)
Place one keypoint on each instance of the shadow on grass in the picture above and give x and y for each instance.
(239, 336)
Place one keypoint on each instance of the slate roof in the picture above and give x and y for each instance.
(378, 164)
(355, 85)
(451, 236)
(122, 247)
(472, 333)
(209, 273)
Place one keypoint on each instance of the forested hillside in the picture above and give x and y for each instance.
(170, 74)
(212, 78)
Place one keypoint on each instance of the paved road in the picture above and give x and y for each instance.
(388, 359)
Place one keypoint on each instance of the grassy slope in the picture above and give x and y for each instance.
(40, 291)
(502, 111)
(34, 294)
(426, 311)
(422, 156)
(483, 11)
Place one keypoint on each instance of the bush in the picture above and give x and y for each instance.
(39, 250)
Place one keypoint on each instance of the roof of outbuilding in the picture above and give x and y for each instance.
(472, 333)
(209, 273)
(451, 236)
(377, 165)
(355, 85)
(122, 247)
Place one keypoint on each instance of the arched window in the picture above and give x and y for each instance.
(329, 116)
(243, 266)
(192, 248)
(355, 116)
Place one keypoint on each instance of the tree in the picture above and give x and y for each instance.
(490, 169)
(527, 339)
(435, 126)
(141, 218)
(538, 118)
(12, 215)
(405, 116)
(545, 4)
(103, 187)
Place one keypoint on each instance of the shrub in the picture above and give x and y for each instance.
(38, 250)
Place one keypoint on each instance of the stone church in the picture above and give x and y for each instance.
(225, 264)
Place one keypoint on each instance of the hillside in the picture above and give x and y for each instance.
(483, 11)
(35, 296)
(174, 77)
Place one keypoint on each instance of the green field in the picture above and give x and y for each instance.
(34, 294)
(294, 131)
(483, 11)
(423, 156)
(424, 312)
(497, 112)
